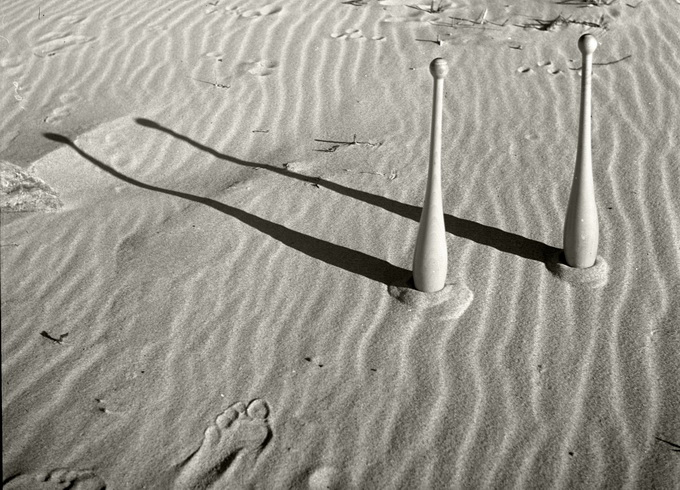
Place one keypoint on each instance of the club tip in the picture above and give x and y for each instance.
(439, 68)
(587, 44)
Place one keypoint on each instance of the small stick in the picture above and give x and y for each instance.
(673, 445)
(612, 62)
(217, 85)
(606, 63)
(430, 260)
(59, 341)
(581, 229)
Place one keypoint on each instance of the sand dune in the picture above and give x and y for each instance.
(223, 296)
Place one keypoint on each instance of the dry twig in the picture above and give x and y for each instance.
(431, 10)
(59, 341)
(606, 63)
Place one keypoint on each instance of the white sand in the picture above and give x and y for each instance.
(223, 260)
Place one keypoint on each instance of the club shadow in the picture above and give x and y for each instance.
(336, 255)
(482, 234)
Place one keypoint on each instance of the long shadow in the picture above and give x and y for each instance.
(336, 255)
(482, 234)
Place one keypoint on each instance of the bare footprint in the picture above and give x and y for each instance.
(260, 68)
(238, 430)
(348, 34)
(61, 478)
(73, 19)
(261, 12)
(11, 62)
(58, 115)
(53, 43)
(324, 478)
(69, 97)
(248, 13)
(548, 65)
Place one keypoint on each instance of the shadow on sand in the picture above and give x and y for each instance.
(463, 228)
(336, 255)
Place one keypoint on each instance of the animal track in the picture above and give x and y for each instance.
(52, 44)
(56, 479)
(238, 431)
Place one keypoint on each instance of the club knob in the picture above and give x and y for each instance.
(439, 68)
(587, 44)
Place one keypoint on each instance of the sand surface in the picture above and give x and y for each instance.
(211, 287)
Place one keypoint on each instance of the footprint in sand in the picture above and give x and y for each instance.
(11, 62)
(251, 13)
(53, 43)
(57, 115)
(69, 97)
(266, 10)
(61, 478)
(157, 27)
(548, 65)
(238, 431)
(348, 34)
(354, 34)
(260, 68)
(73, 19)
(60, 113)
(324, 478)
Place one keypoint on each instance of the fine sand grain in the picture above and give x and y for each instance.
(219, 292)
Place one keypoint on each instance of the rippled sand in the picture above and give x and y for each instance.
(223, 295)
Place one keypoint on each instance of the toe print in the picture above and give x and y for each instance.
(229, 446)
